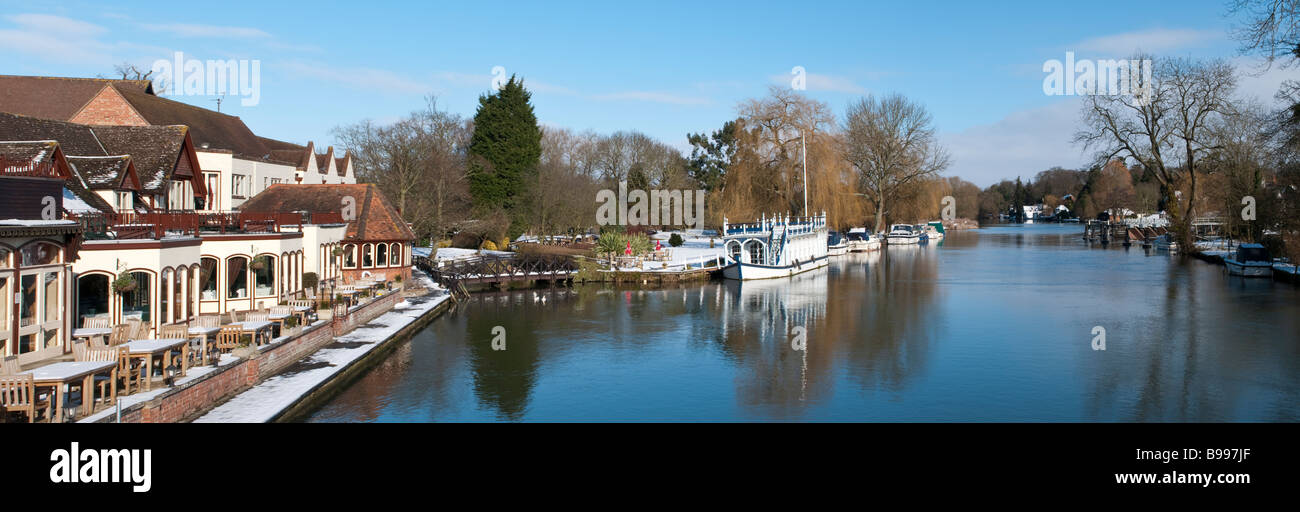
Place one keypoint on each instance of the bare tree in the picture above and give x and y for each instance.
(1271, 29)
(891, 143)
(418, 161)
(1167, 130)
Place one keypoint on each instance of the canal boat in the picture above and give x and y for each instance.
(862, 241)
(902, 234)
(836, 244)
(779, 246)
(919, 229)
(1166, 242)
(1249, 260)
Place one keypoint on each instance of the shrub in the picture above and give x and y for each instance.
(310, 280)
(676, 240)
(488, 245)
(444, 243)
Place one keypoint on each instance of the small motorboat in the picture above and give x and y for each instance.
(1166, 242)
(862, 241)
(902, 234)
(1249, 260)
(934, 230)
(836, 244)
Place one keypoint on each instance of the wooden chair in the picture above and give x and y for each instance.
(141, 329)
(18, 394)
(107, 391)
(208, 321)
(307, 315)
(129, 369)
(228, 338)
(9, 366)
(101, 322)
(257, 316)
(176, 331)
(121, 334)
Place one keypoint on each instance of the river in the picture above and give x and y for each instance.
(995, 324)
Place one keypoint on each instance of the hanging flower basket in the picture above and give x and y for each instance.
(124, 284)
(258, 263)
(338, 251)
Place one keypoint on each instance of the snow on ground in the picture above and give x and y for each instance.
(158, 389)
(263, 401)
(694, 250)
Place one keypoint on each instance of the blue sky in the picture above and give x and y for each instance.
(662, 68)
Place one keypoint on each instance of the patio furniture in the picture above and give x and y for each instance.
(94, 328)
(176, 331)
(121, 334)
(59, 375)
(148, 350)
(107, 384)
(18, 394)
(257, 328)
(305, 310)
(9, 366)
(228, 338)
(137, 328)
(205, 327)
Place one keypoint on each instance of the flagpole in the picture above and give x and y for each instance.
(805, 174)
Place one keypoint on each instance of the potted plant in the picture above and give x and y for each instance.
(291, 323)
(125, 283)
(245, 350)
(259, 263)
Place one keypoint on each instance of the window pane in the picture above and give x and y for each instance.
(381, 255)
(27, 305)
(92, 296)
(264, 277)
(164, 295)
(208, 278)
(136, 303)
(51, 296)
(366, 259)
(178, 301)
(349, 256)
(7, 300)
(40, 254)
(237, 278)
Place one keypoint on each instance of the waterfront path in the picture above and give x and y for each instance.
(267, 400)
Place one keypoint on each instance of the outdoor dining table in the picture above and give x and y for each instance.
(205, 333)
(57, 375)
(349, 295)
(149, 349)
(91, 332)
(255, 328)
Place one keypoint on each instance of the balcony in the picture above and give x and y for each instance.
(159, 225)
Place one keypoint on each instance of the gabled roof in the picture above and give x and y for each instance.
(377, 219)
(298, 156)
(216, 130)
(323, 161)
(154, 150)
(48, 152)
(342, 163)
(106, 172)
(57, 97)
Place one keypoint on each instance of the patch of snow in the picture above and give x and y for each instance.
(74, 204)
(21, 222)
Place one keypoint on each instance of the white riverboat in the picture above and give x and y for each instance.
(1249, 260)
(774, 247)
(862, 241)
(902, 234)
(934, 230)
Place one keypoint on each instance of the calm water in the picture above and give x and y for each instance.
(993, 325)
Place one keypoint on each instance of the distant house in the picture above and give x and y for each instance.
(378, 241)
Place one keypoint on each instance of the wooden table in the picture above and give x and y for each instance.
(57, 375)
(349, 295)
(254, 328)
(92, 332)
(149, 349)
(205, 333)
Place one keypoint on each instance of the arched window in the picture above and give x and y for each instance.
(136, 303)
(178, 296)
(92, 296)
(734, 249)
(208, 278)
(237, 278)
(349, 256)
(756, 253)
(164, 296)
(367, 259)
(40, 253)
(395, 257)
(381, 255)
(264, 275)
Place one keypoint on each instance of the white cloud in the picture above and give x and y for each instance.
(208, 31)
(1020, 144)
(1157, 41)
(56, 38)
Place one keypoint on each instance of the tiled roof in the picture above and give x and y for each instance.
(106, 172)
(56, 97)
(39, 151)
(154, 150)
(377, 219)
(217, 130)
(323, 160)
(342, 163)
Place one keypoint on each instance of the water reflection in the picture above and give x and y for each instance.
(993, 325)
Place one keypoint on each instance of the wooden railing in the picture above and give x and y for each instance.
(156, 225)
(17, 167)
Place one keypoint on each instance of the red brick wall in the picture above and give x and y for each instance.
(109, 107)
(389, 273)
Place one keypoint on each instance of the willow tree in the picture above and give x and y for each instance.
(766, 174)
(890, 142)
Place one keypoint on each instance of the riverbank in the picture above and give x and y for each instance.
(313, 378)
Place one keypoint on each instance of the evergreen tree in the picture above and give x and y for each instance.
(1018, 202)
(504, 154)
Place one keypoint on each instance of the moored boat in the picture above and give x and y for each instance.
(934, 230)
(775, 247)
(1249, 260)
(836, 244)
(902, 234)
(862, 241)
